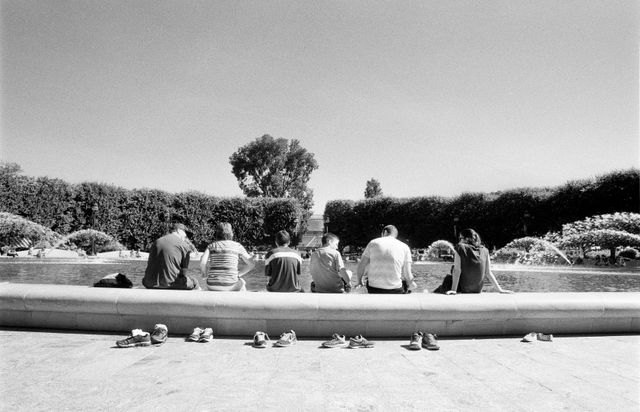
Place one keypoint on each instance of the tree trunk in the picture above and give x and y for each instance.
(612, 255)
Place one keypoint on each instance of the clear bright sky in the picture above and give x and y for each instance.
(429, 97)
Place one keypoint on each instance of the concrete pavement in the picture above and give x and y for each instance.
(60, 370)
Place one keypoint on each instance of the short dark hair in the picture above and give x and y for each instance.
(390, 230)
(328, 237)
(178, 226)
(282, 238)
(223, 231)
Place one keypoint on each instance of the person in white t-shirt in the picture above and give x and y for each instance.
(386, 264)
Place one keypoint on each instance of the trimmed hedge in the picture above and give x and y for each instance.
(498, 217)
(137, 217)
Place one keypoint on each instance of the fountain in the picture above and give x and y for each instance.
(83, 240)
(440, 249)
(530, 251)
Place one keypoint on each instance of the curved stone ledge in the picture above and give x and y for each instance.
(316, 315)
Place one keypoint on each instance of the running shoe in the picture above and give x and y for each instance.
(529, 337)
(195, 335)
(206, 336)
(137, 338)
(430, 341)
(547, 337)
(360, 342)
(260, 340)
(287, 339)
(159, 334)
(416, 340)
(336, 341)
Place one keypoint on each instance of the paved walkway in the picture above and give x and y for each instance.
(54, 370)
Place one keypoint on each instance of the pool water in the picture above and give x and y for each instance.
(428, 276)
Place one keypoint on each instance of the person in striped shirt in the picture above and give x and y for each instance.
(283, 266)
(220, 262)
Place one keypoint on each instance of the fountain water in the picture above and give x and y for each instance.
(84, 239)
(434, 251)
(530, 251)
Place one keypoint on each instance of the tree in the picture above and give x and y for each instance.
(373, 189)
(269, 167)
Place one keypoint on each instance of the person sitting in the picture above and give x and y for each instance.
(219, 262)
(327, 268)
(283, 266)
(168, 262)
(471, 266)
(386, 263)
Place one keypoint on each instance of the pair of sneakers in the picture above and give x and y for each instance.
(139, 337)
(340, 341)
(261, 339)
(421, 340)
(201, 335)
(530, 337)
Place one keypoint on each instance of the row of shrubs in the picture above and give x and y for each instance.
(137, 217)
(498, 217)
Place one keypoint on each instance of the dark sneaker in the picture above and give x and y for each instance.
(206, 336)
(430, 341)
(360, 342)
(416, 340)
(260, 340)
(138, 339)
(195, 335)
(547, 337)
(159, 334)
(336, 341)
(287, 339)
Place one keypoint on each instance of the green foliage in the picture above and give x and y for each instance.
(14, 228)
(268, 167)
(605, 238)
(630, 253)
(373, 189)
(88, 238)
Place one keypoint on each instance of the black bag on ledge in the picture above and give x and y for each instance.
(114, 280)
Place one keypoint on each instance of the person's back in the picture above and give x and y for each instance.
(386, 263)
(327, 267)
(473, 262)
(283, 266)
(168, 258)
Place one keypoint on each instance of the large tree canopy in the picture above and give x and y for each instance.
(268, 167)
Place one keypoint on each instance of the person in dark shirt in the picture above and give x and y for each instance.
(283, 266)
(471, 266)
(169, 262)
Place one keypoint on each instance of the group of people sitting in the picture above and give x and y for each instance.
(385, 266)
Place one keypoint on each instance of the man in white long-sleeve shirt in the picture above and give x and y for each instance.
(386, 263)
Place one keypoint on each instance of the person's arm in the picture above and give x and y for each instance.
(362, 266)
(407, 276)
(204, 261)
(247, 260)
(342, 271)
(455, 274)
(492, 278)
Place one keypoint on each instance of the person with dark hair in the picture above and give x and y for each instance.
(283, 266)
(168, 262)
(386, 264)
(471, 266)
(327, 268)
(219, 263)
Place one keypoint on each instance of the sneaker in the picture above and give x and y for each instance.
(360, 342)
(159, 334)
(530, 337)
(335, 342)
(430, 341)
(195, 335)
(287, 339)
(547, 337)
(206, 336)
(416, 340)
(138, 339)
(260, 340)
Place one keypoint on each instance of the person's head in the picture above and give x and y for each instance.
(390, 230)
(331, 240)
(180, 230)
(470, 236)
(283, 238)
(223, 231)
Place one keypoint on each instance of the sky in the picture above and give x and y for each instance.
(431, 98)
